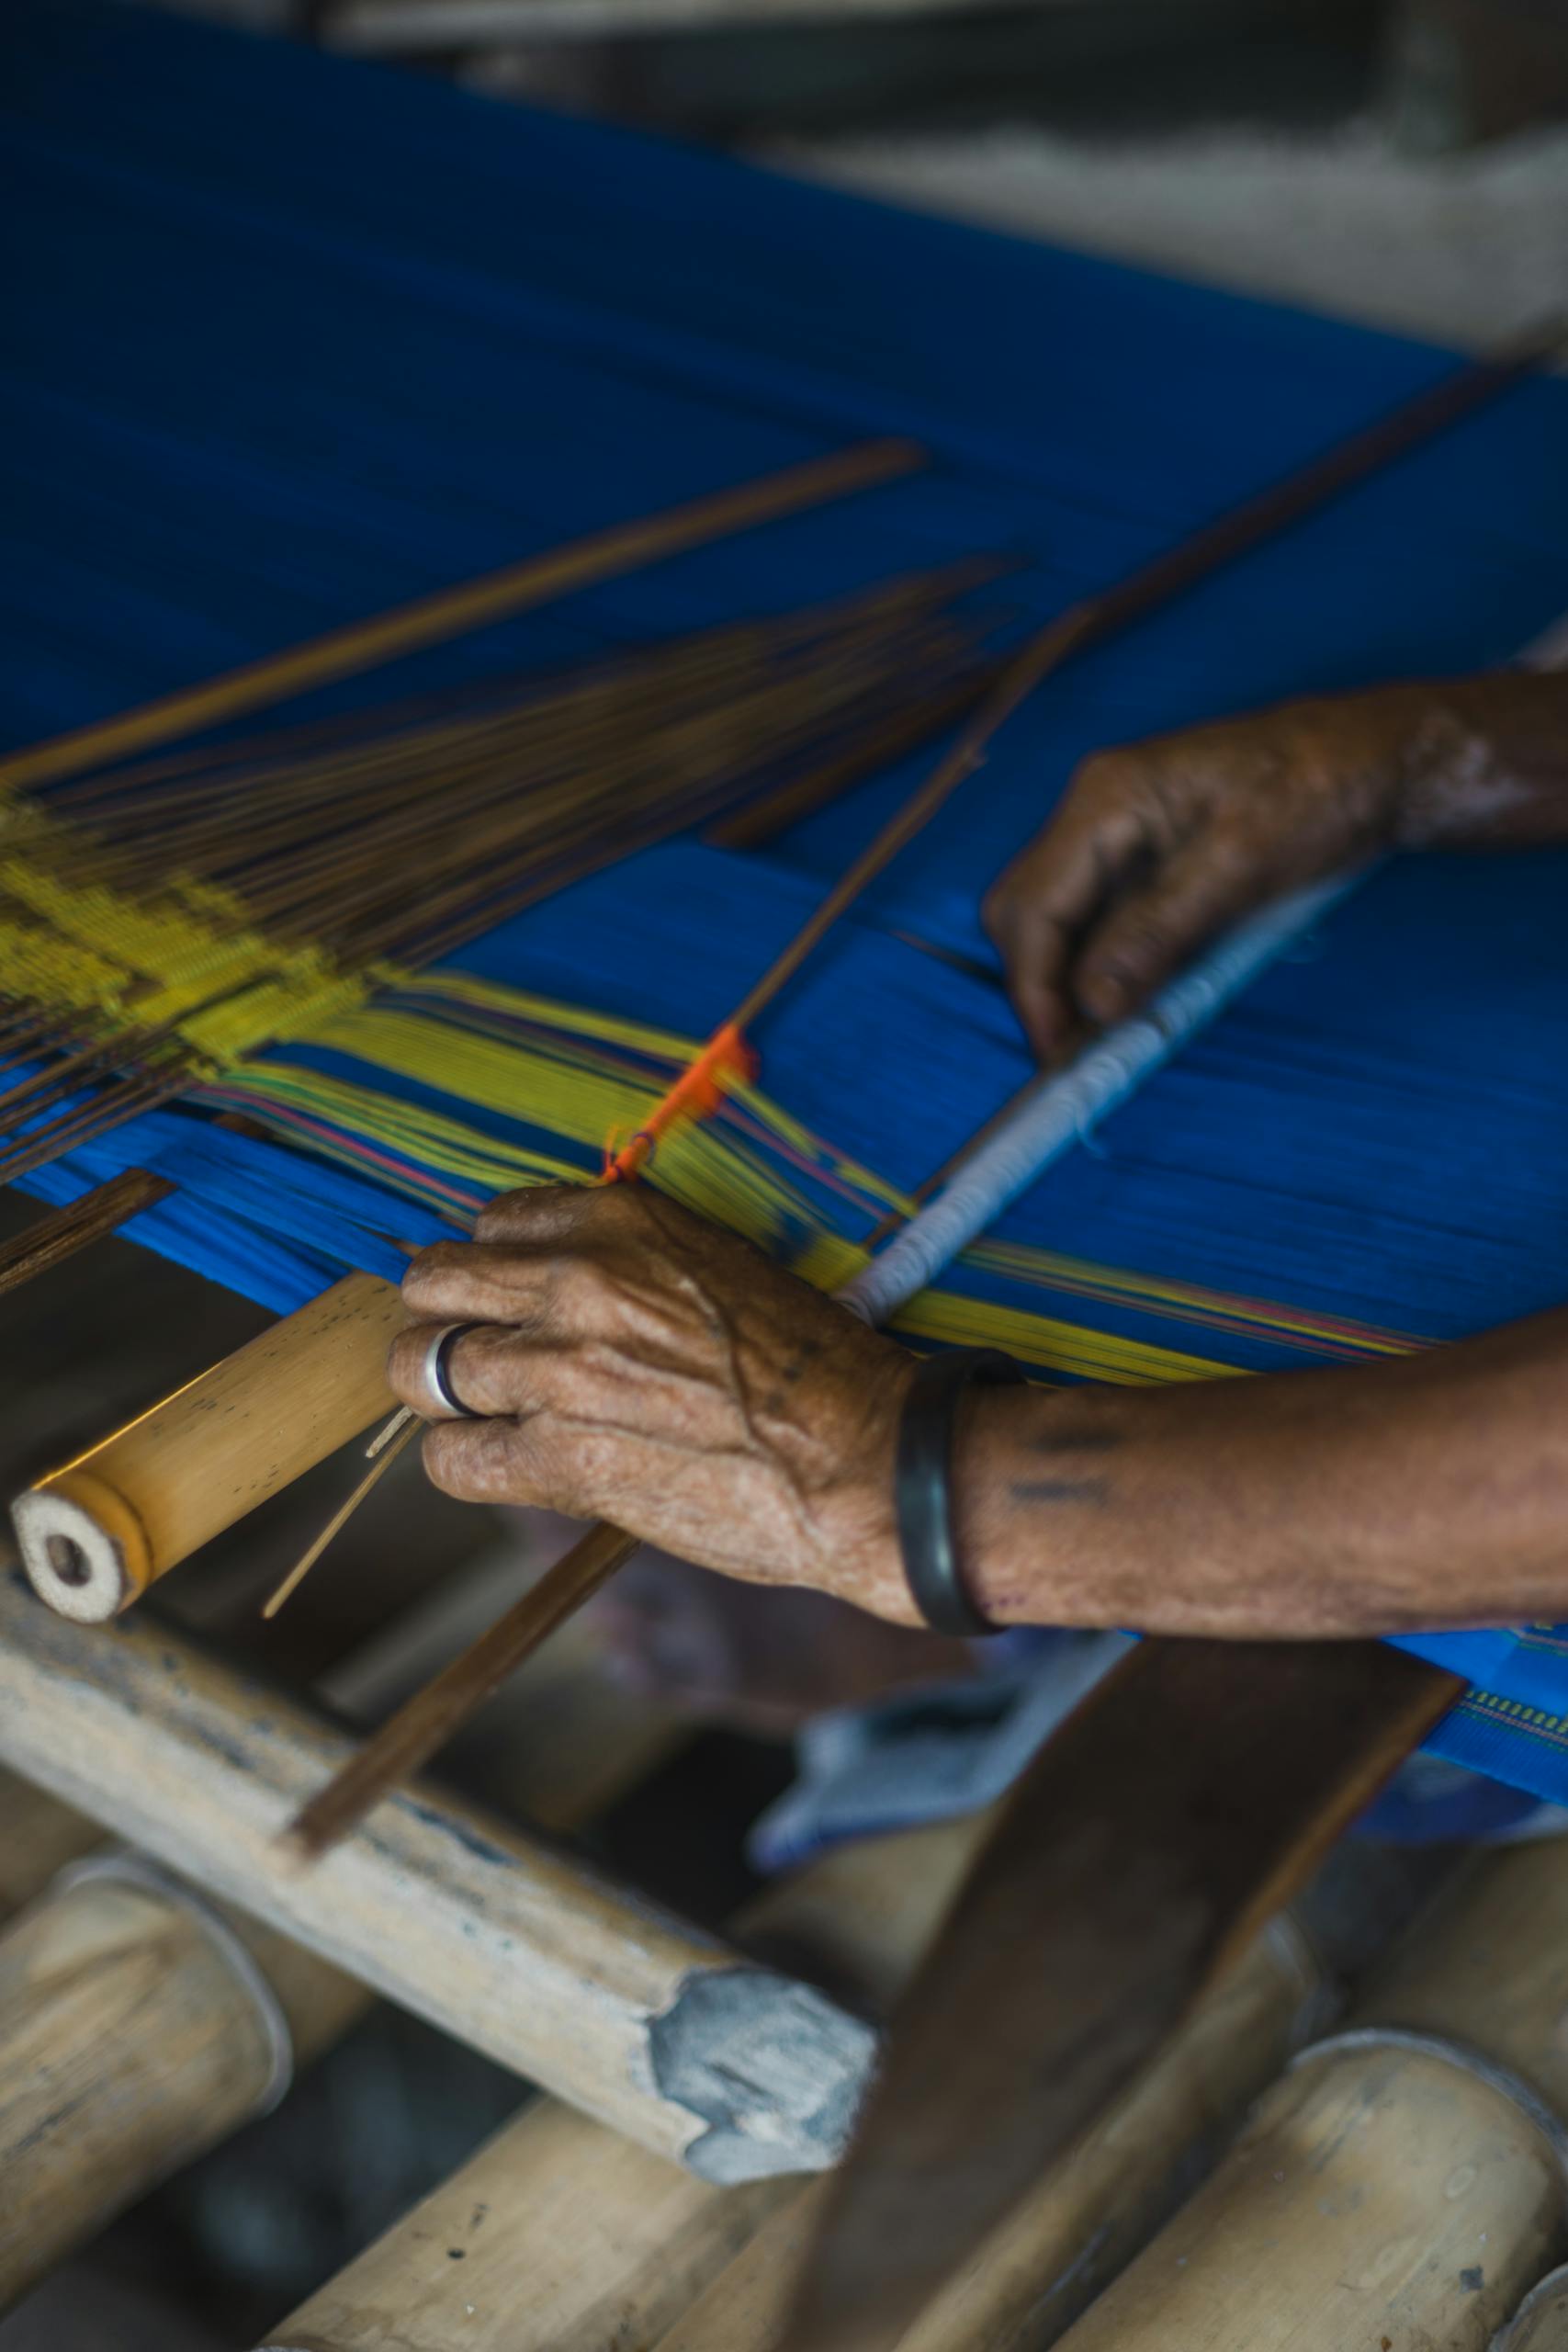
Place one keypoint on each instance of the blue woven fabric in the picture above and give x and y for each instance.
(288, 339)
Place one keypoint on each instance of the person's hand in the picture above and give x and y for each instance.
(1158, 847)
(638, 1365)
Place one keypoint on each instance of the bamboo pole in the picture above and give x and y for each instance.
(1408, 2180)
(95, 1534)
(572, 2240)
(137, 2029)
(139, 2023)
(664, 2032)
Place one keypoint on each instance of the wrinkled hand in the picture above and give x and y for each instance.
(1158, 846)
(641, 1366)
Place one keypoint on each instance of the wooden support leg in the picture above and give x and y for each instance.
(1407, 2181)
(489, 1933)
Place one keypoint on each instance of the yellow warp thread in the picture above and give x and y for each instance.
(184, 959)
(710, 1169)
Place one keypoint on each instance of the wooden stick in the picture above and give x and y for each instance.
(494, 1935)
(96, 1533)
(409, 1739)
(473, 603)
(383, 1452)
(61, 1233)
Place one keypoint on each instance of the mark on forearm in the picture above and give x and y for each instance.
(1058, 1490)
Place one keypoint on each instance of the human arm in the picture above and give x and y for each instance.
(639, 1365)
(1158, 846)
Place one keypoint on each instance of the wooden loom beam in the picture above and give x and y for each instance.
(489, 1933)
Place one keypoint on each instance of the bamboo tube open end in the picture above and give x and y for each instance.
(83, 1548)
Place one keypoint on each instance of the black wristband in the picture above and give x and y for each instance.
(922, 1483)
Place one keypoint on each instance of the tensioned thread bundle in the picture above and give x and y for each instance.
(161, 922)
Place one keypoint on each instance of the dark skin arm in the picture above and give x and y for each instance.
(1158, 846)
(642, 1367)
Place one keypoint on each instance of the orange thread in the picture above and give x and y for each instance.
(724, 1061)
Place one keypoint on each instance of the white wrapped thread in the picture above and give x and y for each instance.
(1067, 1108)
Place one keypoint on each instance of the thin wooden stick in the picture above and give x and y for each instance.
(60, 1235)
(428, 620)
(409, 1738)
(386, 1450)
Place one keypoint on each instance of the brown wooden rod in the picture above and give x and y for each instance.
(473, 603)
(412, 1737)
(62, 1232)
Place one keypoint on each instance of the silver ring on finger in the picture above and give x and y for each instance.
(436, 1370)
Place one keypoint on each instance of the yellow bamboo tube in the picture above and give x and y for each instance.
(95, 1534)
(1542, 2325)
(137, 2029)
(1408, 2181)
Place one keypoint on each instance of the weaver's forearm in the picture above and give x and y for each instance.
(1426, 1491)
(1488, 762)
